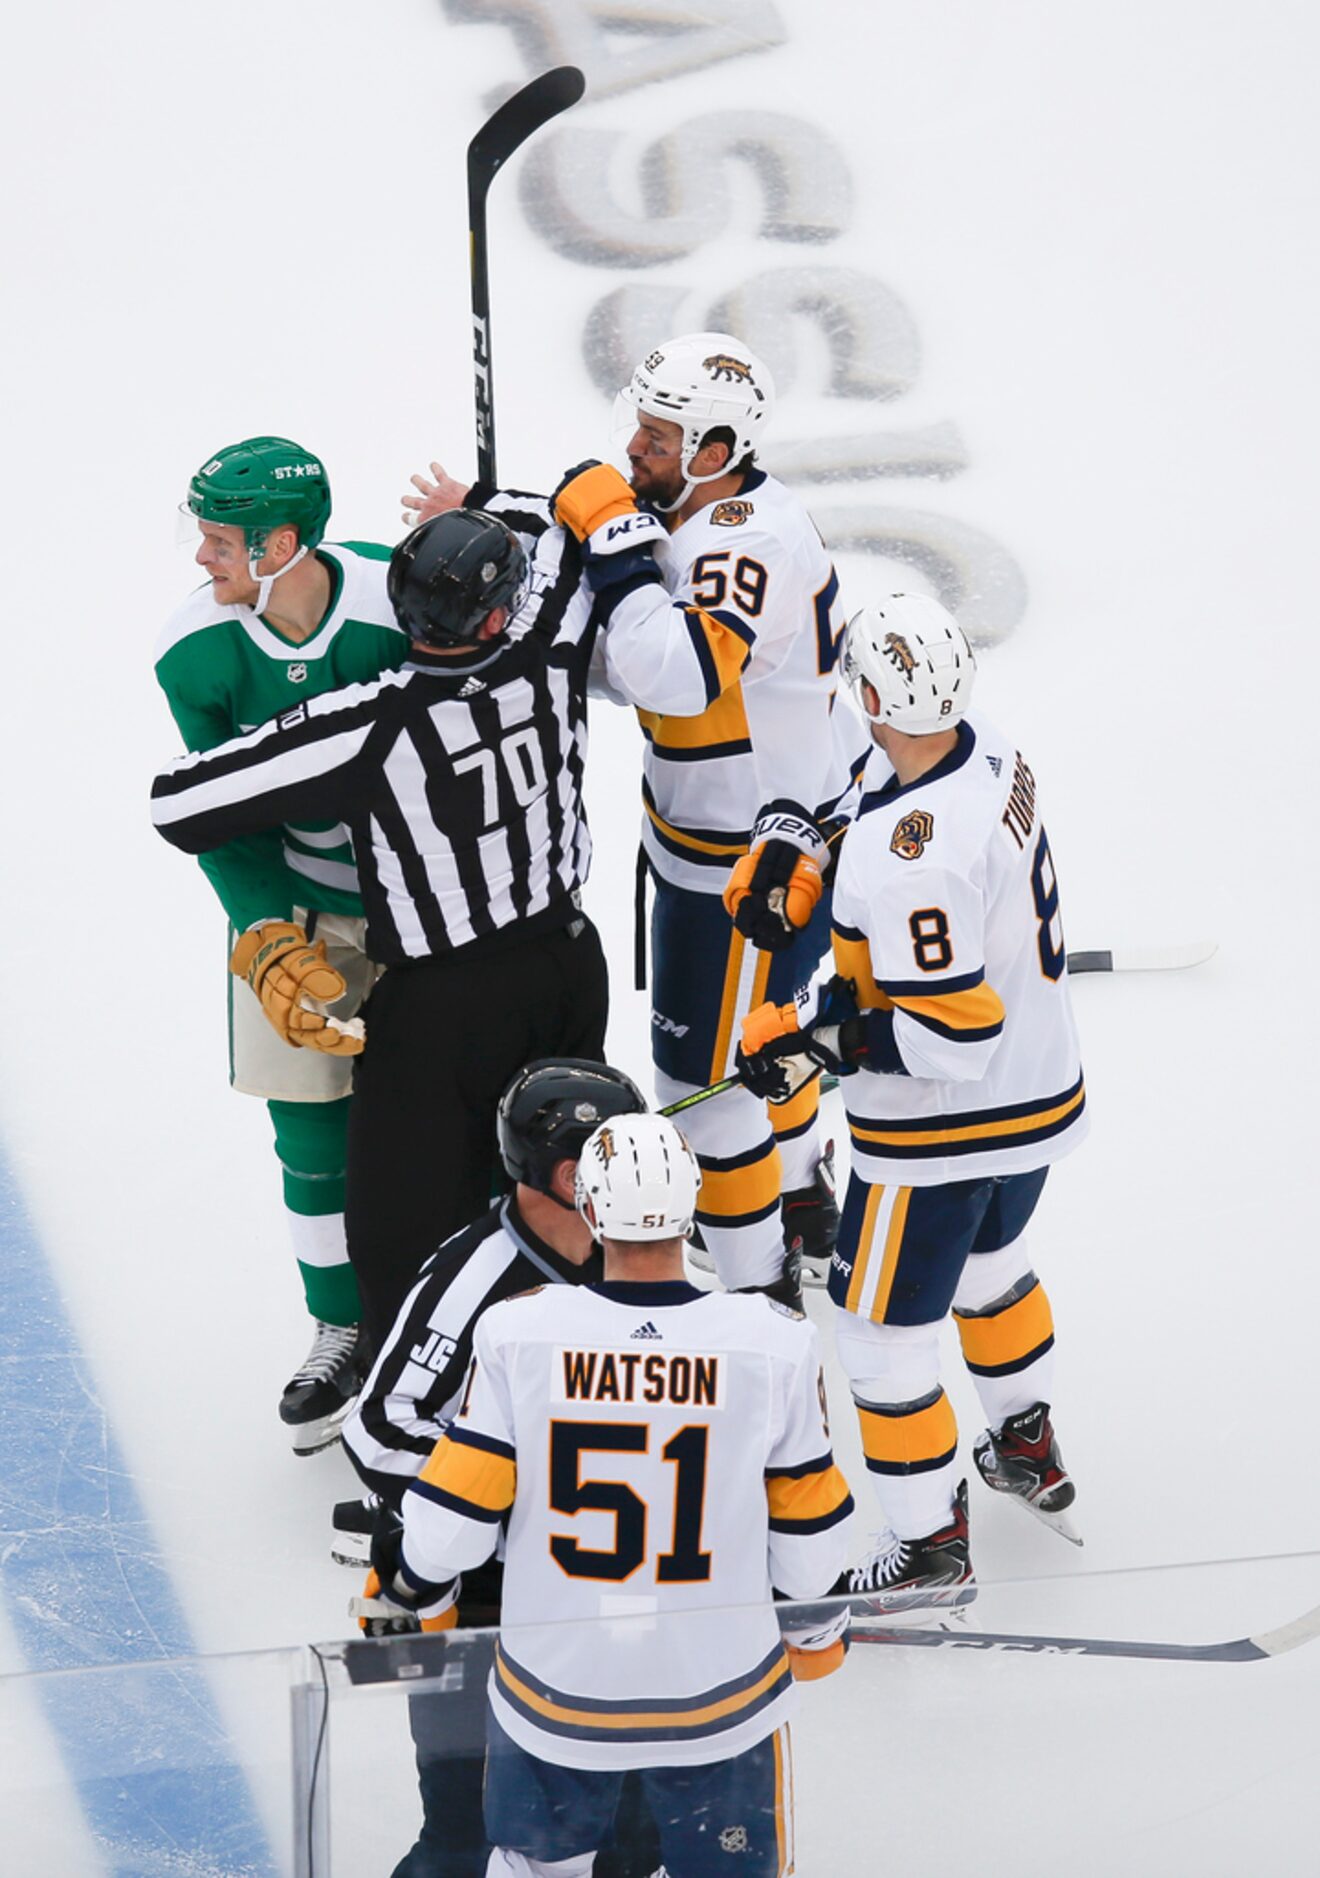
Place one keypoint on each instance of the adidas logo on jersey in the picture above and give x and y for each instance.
(648, 1332)
(471, 688)
(996, 763)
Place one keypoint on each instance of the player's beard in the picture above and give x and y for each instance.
(657, 480)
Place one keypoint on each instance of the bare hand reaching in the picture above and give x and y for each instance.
(433, 498)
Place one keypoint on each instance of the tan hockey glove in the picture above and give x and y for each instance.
(287, 972)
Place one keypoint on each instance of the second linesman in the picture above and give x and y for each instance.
(459, 780)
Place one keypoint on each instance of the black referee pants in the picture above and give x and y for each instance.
(444, 1038)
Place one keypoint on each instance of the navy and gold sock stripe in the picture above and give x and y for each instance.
(737, 1189)
(908, 1437)
(1010, 1334)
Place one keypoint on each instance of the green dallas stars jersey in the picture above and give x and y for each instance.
(224, 671)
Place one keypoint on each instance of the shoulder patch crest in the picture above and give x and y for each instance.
(913, 832)
(731, 514)
(532, 1291)
(786, 1310)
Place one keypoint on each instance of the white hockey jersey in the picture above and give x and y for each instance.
(946, 909)
(662, 1456)
(734, 679)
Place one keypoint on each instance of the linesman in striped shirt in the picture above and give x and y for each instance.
(459, 779)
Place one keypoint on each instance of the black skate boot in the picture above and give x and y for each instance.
(319, 1396)
(811, 1220)
(913, 1574)
(352, 1523)
(1023, 1460)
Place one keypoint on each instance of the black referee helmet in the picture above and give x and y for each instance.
(449, 573)
(550, 1108)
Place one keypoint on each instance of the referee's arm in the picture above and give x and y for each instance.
(299, 765)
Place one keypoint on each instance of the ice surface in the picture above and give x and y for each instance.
(1100, 223)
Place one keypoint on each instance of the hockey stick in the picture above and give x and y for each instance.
(1291, 1636)
(1143, 958)
(702, 1095)
(488, 151)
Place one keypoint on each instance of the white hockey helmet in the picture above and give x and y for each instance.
(915, 655)
(637, 1179)
(704, 382)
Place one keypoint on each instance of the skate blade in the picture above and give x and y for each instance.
(1057, 1522)
(357, 1558)
(316, 1437)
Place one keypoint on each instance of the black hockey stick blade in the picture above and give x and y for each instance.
(515, 121)
(1303, 1629)
(1143, 958)
(502, 133)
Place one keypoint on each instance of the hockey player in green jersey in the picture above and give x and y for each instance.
(281, 617)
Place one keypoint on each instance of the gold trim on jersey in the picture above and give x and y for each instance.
(474, 1475)
(728, 1191)
(914, 1442)
(966, 1136)
(723, 722)
(1009, 1337)
(980, 1008)
(684, 840)
(852, 960)
(873, 1275)
(677, 1719)
(812, 1501)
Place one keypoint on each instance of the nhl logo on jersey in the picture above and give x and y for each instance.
(296, 672)
(730, 514)
(910, 837)
(733, 1839)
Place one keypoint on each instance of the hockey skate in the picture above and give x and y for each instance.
(811, 1218)
(352, 1523)
(913, 1574)
(317, 1399)
(1023, 1460)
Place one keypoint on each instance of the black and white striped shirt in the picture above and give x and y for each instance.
(415, 1387)
(459, 778)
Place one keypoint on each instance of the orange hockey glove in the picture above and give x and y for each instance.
(590, 495)
(773, 891)
(286, 972)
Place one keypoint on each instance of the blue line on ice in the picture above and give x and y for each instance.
(146, 1748)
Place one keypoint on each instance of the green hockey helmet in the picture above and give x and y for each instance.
(261, 484)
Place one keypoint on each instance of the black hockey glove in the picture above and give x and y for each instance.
(774, 889)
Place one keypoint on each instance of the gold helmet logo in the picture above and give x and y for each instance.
(723, 366)
(910, 837)
(605, 1142)
(899, 652)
